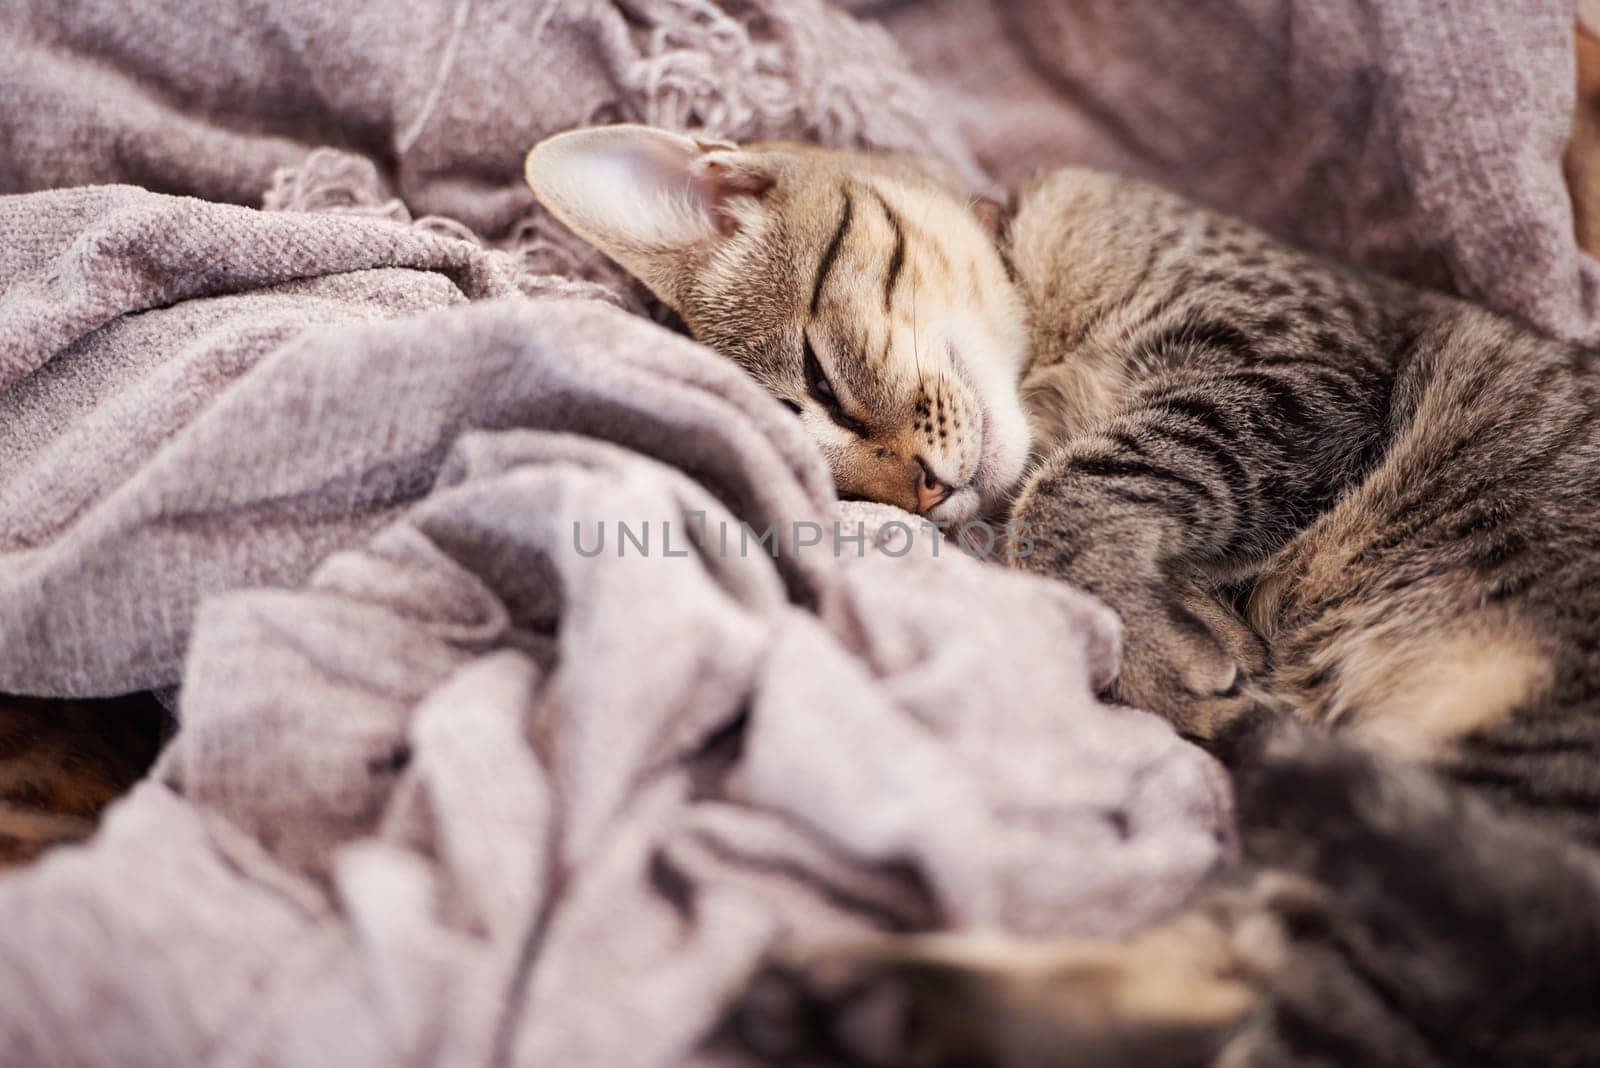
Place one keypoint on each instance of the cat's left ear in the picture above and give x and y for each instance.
(656, 202)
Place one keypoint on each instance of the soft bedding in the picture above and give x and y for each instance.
(450, 786)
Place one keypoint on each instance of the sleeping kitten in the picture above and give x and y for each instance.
(1302, 488)
(861, 295)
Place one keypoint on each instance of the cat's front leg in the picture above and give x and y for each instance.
(1109, 520)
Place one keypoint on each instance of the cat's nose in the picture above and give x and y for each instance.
(930, 491)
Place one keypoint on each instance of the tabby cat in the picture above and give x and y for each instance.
(1350, 528)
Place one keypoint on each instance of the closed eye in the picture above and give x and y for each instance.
(822, 390)
(817, 380)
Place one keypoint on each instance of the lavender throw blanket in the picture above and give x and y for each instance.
(448, 789)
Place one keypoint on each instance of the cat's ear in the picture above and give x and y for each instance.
(648, 198)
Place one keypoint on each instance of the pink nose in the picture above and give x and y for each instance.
(930, 491)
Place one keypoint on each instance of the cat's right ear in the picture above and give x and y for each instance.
(654, 201)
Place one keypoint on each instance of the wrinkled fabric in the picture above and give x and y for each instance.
(448, 788)
(426, 107)
(452, 784)
(482, 787)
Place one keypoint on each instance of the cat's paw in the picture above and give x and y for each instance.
(1186, 656)
(840, 1005)
(945, 1000)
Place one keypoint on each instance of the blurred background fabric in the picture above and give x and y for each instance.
(1421, 139)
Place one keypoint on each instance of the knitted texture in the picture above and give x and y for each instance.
(455, 781)
(449, 786)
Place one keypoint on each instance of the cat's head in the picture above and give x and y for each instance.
(861, 291)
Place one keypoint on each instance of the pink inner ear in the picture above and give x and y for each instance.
(721, 181)
(631, 190)
(674, 163)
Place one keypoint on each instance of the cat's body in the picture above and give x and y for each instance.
(1402, 489)
(1306, 491)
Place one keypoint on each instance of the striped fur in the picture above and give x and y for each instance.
(1350, 528)
(857, 290)
(1398, 489)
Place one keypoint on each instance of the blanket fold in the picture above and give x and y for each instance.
(457, 782)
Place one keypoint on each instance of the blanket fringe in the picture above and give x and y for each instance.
(738, 69)
(545, 259)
